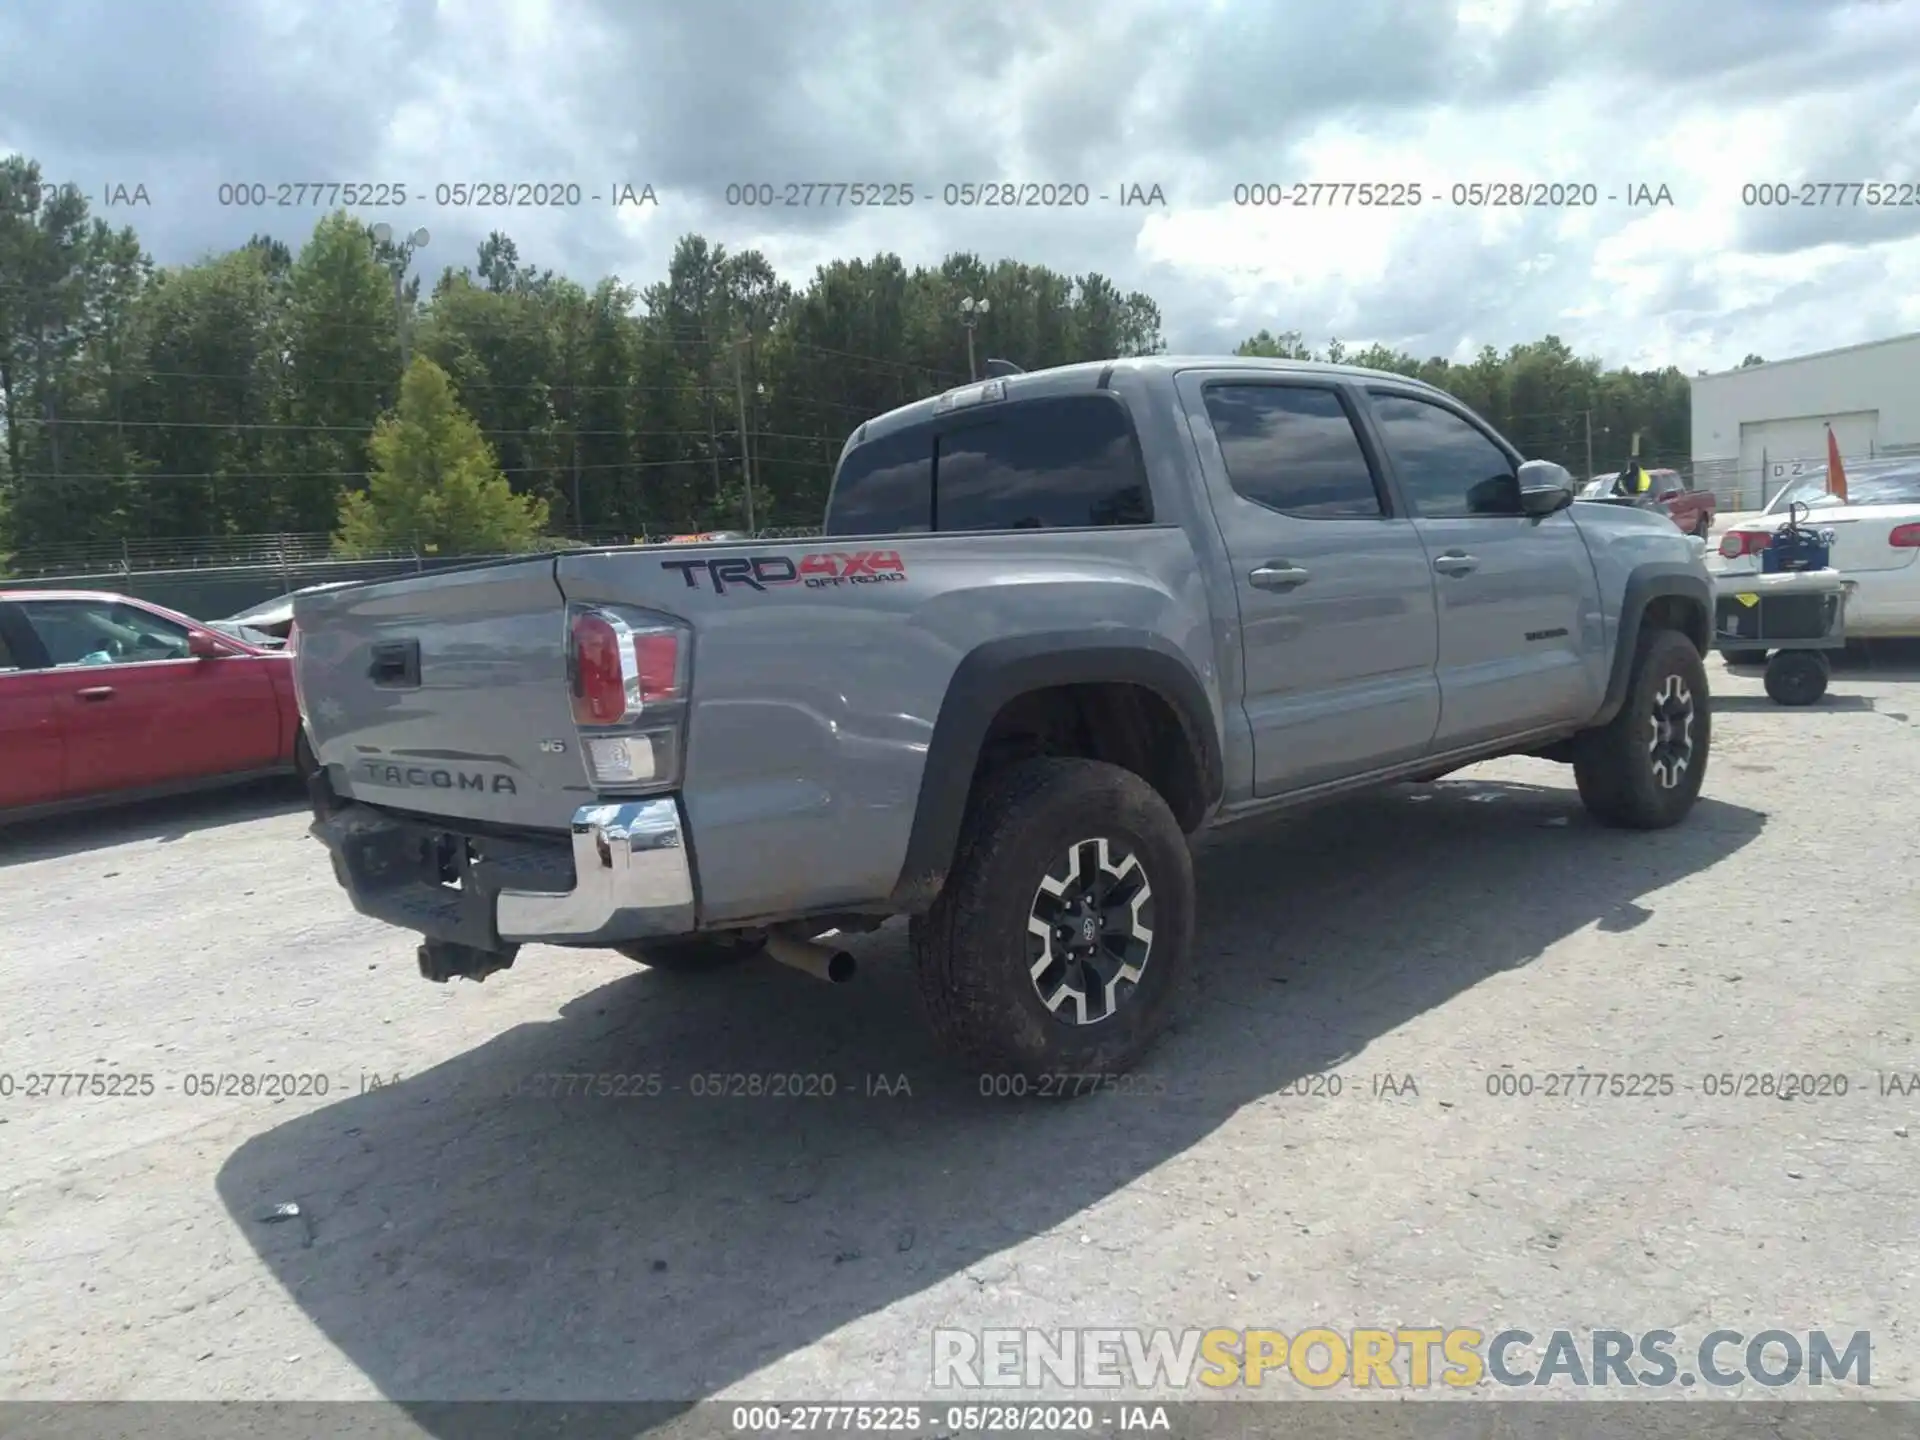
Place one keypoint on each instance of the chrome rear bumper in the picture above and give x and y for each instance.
(622, 874)
(631, 880)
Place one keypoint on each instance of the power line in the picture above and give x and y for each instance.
(559, 433)
(243, 474)
(463, 386)
(716, 333)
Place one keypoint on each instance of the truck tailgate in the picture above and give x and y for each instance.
(446, 694)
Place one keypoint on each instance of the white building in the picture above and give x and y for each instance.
(1758, 428)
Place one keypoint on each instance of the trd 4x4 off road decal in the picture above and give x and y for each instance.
(826, 569)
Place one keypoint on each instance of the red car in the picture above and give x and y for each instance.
(1692, 510)
(104, 698)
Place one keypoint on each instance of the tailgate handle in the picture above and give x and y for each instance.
(396, 664)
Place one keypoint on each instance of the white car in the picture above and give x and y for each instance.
(1876, 541)
(271, 619)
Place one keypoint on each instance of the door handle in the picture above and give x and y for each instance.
(96, 692)
(1456, 562)
(1278, 575)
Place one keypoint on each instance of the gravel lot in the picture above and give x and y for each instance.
(456, 1243)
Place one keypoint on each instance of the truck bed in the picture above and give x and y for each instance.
(818, 671)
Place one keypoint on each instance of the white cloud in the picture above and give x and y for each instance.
(1700, 95)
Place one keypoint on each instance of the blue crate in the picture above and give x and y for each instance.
(1795, 547)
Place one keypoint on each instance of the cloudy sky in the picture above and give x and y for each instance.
(1703, 97)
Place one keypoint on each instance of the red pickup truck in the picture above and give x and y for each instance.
(105, 698)
(1692, 510)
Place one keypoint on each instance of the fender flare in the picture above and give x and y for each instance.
(1647, 583)
(998, 671)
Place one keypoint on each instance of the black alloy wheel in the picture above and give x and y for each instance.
(1090, 932)
(1670, 742)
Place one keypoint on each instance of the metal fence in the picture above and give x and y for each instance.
(287, 553)
(211, 583)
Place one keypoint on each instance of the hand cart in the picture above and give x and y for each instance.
(1790, 619)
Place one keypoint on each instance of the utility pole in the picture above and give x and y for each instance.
(402, 320)
(579, 522)
(970, 312)
(1589, 417)
(746, 461)
(573, 404)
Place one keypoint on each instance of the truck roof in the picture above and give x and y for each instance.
(1095, 375)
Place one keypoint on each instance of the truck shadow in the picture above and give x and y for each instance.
(463, 1245)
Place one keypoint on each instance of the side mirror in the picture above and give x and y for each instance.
(203, 645)
(1544, 488)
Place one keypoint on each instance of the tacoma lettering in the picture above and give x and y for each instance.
(420, 778)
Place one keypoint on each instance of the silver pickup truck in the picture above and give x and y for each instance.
(1056, 624)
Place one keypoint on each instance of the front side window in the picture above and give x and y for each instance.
(1448, 468)
(103, 632)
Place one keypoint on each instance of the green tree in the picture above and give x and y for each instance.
(1287, 345)
(214, 387)
(239, 395)
(435, 483)
(342, 358)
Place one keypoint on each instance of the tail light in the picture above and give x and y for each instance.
(1736, 543)
(628, 674)
(1905, 537)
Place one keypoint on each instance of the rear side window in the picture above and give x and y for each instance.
(885, 487)
(1293, 449)
(1042, 464)
(1071, 461)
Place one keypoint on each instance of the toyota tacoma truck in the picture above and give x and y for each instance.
(1056, 624)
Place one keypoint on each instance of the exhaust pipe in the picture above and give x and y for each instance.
(823, 962)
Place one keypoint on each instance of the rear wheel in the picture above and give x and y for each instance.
(1063, 937)
(1643, 769)
(1797, 677)
(693, 954)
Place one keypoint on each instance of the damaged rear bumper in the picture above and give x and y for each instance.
(622, 873)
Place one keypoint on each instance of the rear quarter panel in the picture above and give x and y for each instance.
(813, 707)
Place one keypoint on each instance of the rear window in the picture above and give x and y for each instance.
(1070, 461)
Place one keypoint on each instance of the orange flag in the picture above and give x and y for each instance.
(1836, 472)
